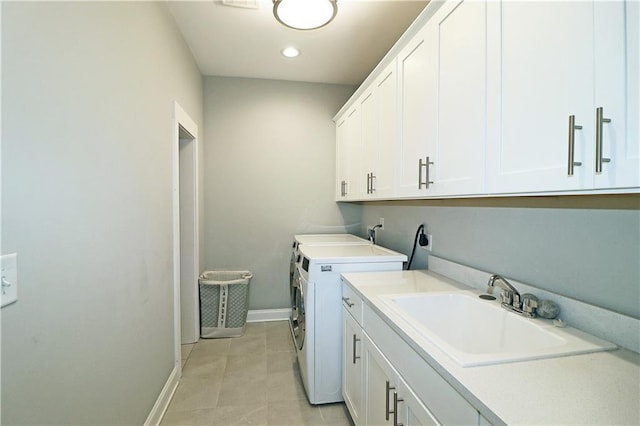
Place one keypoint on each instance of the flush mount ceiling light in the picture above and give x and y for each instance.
(305, 14)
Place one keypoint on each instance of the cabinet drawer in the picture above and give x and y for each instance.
(352, 302)
(446, 404)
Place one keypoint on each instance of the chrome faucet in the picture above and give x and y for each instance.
(511, 298)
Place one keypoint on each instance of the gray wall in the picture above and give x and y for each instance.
(583, 247)
(269, 174)
(87, 92)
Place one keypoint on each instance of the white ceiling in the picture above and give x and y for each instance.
(238, 42)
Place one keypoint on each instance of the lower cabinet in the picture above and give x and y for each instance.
(385, 382)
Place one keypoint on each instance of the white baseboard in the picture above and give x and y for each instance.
(157, 412)
(260, 315)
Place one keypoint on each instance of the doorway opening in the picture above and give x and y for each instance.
(185, 231)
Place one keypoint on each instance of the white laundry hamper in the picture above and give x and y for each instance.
(224, 303)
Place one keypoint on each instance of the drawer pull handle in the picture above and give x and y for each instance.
(349, 304)
(355, 340)
(386, 400)
(395, 409)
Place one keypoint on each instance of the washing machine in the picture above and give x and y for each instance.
(317, 330)
(313, 240)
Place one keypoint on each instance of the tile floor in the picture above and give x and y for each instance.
(248, 380)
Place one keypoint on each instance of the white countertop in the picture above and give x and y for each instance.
(597, 388)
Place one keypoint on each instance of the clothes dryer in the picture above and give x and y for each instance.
(318, 300)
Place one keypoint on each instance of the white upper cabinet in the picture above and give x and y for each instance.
(355, 188)
(379, 111)
(498, 98)
(616, 91)
(458, 167)
(557, 63)
(349, 155)
(443, 104)
(417, 79)
(341, 159)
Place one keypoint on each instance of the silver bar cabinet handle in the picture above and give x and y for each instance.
(395, 409)
(386, 400)
(572, 135)
(599, 121)
(373, 189)
(346, 300)
(355, 340)
(426, 165)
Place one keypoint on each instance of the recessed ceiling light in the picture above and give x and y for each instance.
(290, 52)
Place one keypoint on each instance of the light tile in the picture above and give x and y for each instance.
(294, 413)
(285, 386)
(253, 329)
(205, 368)
(187, 418)
(278, 362)
(248, 380)
(211, 347)
(237, 415)
(336, 414)
(195, 394)
(249, 345)
(249, 365)
(243, 390)
(280, 342)
(277, 327)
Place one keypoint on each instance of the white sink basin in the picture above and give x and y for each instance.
(474, 331)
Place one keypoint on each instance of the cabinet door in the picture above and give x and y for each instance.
(341, 159)
(386, 99)
(616, 92)
(459, 157)
(354, 189)
(370, 137)
(411, 412)
(352, 371)
(544, 75)
(380, 382)
(417, 83)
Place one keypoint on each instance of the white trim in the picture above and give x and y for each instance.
(160, 407)
(181, 118)
(260, 315)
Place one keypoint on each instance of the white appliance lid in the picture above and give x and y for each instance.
(320, 239)
(351, 254)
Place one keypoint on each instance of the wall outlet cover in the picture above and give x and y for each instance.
(429, 246)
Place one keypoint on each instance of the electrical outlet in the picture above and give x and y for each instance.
(429, 246)
(381, 222)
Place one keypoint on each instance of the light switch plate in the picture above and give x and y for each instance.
(9, 293)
